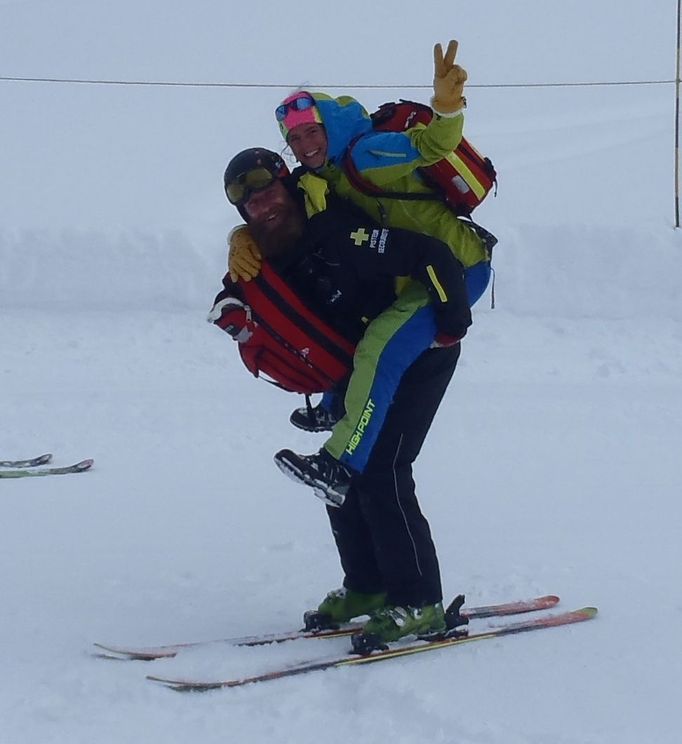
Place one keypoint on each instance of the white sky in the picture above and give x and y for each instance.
(148, 159)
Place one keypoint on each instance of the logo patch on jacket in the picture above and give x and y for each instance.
(382, 235)
(359, 236)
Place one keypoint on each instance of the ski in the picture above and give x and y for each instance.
(417, 647)
(32, 463)
(150, 653)
(78, 467)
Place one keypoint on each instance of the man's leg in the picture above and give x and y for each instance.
(363, 591)
(383, 539)
(400, 533)
(355, 546)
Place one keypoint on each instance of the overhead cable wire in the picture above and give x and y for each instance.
(347, 86)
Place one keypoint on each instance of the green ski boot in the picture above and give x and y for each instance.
(390, 624)
(340, 606)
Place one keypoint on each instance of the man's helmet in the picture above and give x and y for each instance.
(251, 170)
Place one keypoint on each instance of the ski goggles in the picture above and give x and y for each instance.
(302, 103)
(240, 189)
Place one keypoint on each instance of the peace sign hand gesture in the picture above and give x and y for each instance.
(448, 81)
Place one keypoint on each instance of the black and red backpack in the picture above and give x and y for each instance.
(286, 343)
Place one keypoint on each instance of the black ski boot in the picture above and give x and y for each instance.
(313, 419)
(327, 476)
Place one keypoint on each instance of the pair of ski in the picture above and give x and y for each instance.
(21, 468)
(454, 638)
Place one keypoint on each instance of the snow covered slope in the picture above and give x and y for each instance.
(553, 466)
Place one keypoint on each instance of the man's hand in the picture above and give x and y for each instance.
(244, 257)
(234, 317)
(448, 81)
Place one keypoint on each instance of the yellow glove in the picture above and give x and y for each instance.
(244, 257)
(448, 81)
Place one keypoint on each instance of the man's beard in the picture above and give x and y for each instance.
(276, 240)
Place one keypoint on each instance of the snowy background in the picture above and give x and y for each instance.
(553, 466)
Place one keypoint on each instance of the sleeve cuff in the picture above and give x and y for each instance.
(450, 114)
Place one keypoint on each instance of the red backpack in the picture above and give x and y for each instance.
(289, 344)
(462, 179)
